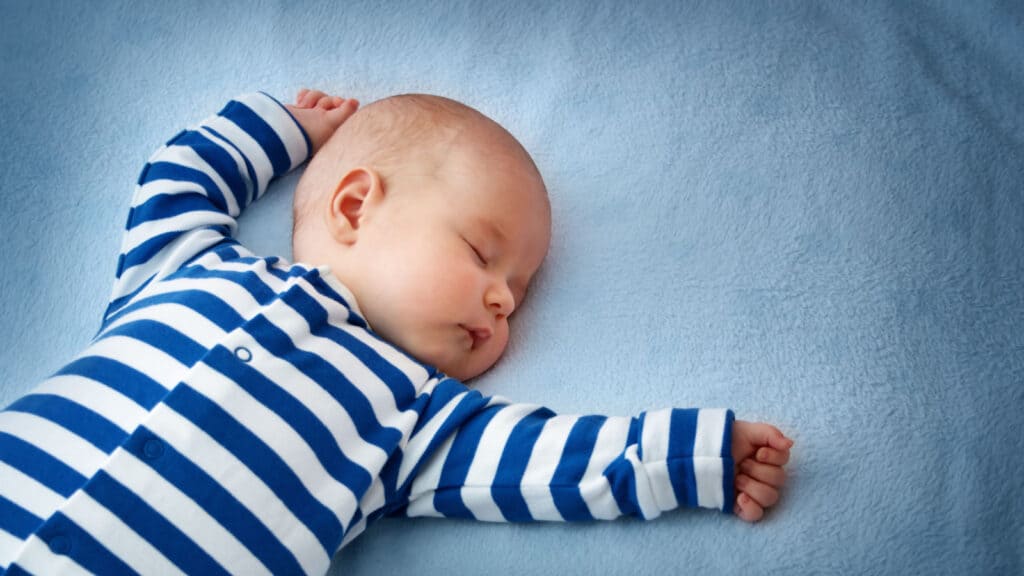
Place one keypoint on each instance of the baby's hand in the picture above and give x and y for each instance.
(760, 451)
(320, 114)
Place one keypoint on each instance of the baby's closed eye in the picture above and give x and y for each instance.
(476, 253)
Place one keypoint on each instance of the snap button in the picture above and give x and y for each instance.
(243, 354)
(60, 544)
(152, 449)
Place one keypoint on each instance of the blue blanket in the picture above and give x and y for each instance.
(807, 212)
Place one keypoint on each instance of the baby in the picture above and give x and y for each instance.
(238, 414)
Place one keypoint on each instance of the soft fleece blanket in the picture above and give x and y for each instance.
(812, 213)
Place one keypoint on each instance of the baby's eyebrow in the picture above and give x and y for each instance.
(491, 229)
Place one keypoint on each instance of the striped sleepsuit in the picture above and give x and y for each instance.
(236, 414)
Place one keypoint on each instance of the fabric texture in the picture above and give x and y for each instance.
(237, 415)
(808, 212)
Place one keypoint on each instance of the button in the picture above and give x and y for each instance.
(152, 449)
(243, 354)
(60, 544)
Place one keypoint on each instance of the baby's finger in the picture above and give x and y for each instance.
(761, 434)
(771, 475)
(312, 98)
(342, 112)
(308, 99)
(764, 494)
(779, 441)
(747, 509)
(298, 97)
(772, 456)
(329, 102)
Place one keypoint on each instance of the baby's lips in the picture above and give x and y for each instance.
(478, 335)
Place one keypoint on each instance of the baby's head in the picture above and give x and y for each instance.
(435, 218)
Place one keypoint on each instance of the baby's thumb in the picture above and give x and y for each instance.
(776, 439)
(767, 435)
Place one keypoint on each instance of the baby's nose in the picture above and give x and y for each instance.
(499, 300)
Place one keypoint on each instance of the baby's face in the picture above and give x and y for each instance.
(444, 259)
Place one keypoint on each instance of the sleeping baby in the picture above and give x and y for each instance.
(243, 414)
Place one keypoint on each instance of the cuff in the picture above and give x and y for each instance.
(269, 124)
(688, 455)
(302, 131)
(727, 474)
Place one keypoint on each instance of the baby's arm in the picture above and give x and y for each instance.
(193, 188)
(487, 459)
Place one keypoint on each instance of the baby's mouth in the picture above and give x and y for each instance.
(477, 336)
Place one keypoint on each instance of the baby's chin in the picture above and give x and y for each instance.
(459, 369)
(463, 375)
(464, 367)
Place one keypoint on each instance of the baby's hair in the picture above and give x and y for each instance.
(387, 135)
(389, 130)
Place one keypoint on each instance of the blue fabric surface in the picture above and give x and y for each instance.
(812, 214)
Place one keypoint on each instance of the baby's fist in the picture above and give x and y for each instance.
(760, 451)
(320, 114)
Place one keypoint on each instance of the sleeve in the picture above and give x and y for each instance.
(194, 187)
(489, 459)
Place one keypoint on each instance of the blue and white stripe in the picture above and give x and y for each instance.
(235, 414)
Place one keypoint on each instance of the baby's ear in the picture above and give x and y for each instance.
(349, 202)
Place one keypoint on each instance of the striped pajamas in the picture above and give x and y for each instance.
(236, 414)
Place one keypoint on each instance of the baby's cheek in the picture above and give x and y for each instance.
(500, 339)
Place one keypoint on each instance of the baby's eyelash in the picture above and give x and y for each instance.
(477, 253)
